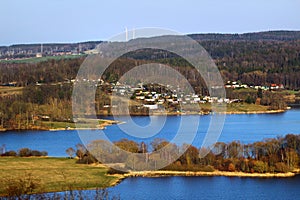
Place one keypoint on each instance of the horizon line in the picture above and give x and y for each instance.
(187, 34)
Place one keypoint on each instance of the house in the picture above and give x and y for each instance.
(151, 107)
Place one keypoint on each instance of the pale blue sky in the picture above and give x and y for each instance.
(41, 21)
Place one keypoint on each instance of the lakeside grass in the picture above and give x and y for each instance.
(88, 124)
(244, 107)
(54, 174)
(239, 108)
(57, 125)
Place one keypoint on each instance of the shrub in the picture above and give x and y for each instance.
(87, 159)
(35, 153)
(260, 166)
(281, 167)
(24, 152)
(9, 153)
(231, 167)
(44, 153)
(208, 168)
(16, 187)
(115, 171)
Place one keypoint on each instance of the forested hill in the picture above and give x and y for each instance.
(259, 36)
(256, 58)
(262, 58)
(26, 50)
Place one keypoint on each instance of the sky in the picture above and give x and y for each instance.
(44, 21)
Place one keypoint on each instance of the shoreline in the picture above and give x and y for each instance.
(106, 122)
(252, 112)
(209, 113)
(112, 122)
(166, 173)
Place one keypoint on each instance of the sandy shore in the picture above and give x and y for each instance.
(214, 173)
(253, 112)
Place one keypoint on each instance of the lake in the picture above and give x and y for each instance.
(208, 188)
(246, 128)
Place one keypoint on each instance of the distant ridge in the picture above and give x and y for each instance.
(258, 36)
(50, 49)
(281, 35)
(52, 44)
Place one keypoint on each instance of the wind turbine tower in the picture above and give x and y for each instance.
(126, 33)
(133, 34)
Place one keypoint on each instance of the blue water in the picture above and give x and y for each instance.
(208, 188)
(245, 128)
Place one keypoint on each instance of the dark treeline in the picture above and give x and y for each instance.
(24, 111)
(250, 62)
(271, 155)
(50, 71)
(23, 152)
(257, 62)
(257, 36)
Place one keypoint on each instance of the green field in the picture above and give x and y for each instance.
(86, 124)
(238, 107)
(244, 107)
(52, 174)
(42, 59)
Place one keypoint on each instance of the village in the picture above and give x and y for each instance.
(155, 97)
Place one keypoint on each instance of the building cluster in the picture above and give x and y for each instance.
(237, 85)
(154, 97)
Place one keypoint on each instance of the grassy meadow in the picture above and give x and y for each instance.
(52, 174)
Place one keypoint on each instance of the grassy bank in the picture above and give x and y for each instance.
(242, 108)
(52, 174)
(87, 124)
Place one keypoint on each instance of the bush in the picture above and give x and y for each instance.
(231, 167)
(10, 153)
(87, 159)
(24, 152)
(44, 153)
(35, 153)
(16, 187)
(281, 167)
(115, 171)
(260, 166)
(208, 168)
